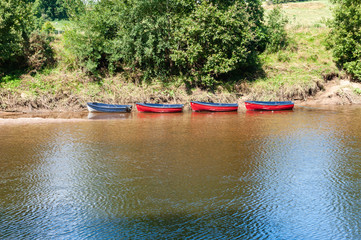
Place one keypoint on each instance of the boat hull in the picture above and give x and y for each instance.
(108, 108)
(269, 106)
(213, 107)
(159, 108)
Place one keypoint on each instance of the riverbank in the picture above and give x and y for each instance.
(62, 99)
(303, 72)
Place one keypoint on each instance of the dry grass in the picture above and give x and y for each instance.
(312, 13)
(300, 5)
(298, 71)
(69, 91)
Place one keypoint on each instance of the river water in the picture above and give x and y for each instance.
(245, 175)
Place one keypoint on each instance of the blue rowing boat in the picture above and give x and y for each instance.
(109, 108)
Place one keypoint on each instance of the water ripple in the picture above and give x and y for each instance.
(294, 175)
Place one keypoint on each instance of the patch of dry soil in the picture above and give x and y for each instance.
(336, 92)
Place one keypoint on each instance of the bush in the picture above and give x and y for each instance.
(39, 53)
(277, 35)
(345, 36)
(16, 24)
(47, 28)
(213, 41)
(199, 39)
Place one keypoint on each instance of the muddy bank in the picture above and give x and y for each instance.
(337, 92)
(333, 92)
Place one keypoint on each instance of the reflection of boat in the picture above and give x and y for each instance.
(97, 116)
(215, 114)
(269, 106)
(260, 113)
(214, 107)
(147, 115)
(110, 108)
(159, 108)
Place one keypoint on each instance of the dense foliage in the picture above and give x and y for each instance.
(39, 53)
(346, 36)
(212, 41)
(16, 24)
(200, 39)
(21, 47)
(50, 9)
(277, 35)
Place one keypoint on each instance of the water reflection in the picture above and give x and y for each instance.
(108, 116)
(149, 115)
(255, 113)
(289, 175)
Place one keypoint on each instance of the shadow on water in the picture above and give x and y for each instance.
(216, 224)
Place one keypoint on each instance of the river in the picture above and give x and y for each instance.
(246, 175)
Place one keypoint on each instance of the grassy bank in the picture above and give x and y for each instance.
(300, 70)
(58, 90)
(295, 73)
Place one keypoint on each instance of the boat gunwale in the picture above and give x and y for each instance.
(108, 106)
(163, 106)
(216, 104)
(279, 103)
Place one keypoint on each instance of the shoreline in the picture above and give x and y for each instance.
(20, 118)
(334, 92)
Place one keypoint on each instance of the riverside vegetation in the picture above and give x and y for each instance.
(296, 64)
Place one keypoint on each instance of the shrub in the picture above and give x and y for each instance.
(203, 40)
(16, 24)
(277, 35)
(213, 41)
(345, 37)
(39, 54)
(48, 28)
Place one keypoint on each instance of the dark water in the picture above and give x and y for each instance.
(286, 175)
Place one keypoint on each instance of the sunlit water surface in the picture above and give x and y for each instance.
(245, 175)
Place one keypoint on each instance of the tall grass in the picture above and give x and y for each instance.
(299, 70)
(306, 14)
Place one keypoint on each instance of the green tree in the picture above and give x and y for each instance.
(346, 36)
(114, 34)
(50, 9)
(213, 41)
(48, 28)
(277, 35)
(94, 37)
(16, 24)
(201, 39)
(39, 54)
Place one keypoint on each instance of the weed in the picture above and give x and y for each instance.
(357, 91)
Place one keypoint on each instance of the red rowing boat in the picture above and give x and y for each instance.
(269, 106)
(214, 107)
(159, 108)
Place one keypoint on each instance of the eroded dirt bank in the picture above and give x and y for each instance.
(334, 92)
